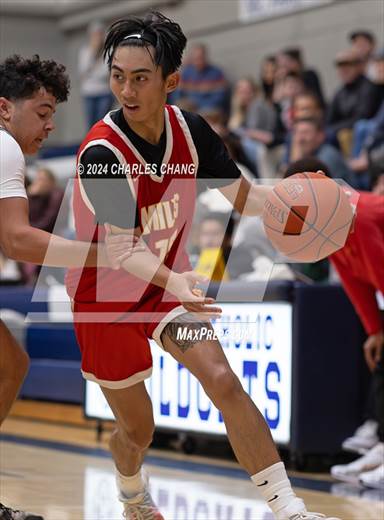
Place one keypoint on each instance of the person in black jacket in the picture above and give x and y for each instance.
(357, 98)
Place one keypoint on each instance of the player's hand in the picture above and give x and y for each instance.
(373, 348)
(183, 286)
(122, 246)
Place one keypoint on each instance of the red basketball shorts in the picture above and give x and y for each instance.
(116, 354)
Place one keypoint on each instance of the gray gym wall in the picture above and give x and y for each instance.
(239, 48)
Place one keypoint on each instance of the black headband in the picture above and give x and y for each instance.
(148, 38)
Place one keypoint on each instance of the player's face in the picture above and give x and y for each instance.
(31, 120)
(139, 86)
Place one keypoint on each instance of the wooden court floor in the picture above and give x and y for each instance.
(57, 468)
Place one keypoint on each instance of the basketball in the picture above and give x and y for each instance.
(307, 217)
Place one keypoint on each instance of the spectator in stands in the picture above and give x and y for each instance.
(45, 198)
(215, 231)
(364, 42)
(308, 139)
(284, 94)
(232, 141)
(94, 76)
(368, 134)
(291, 60)
(361, 270)
(252, 118)
(202, 83)
(307, 105)
(268, 76)
(357, 98)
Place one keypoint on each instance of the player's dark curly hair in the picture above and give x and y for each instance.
(20, 78)
(155, 29)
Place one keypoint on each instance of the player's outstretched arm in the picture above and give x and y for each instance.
(24, 243)
(147, 266)
(246, 197)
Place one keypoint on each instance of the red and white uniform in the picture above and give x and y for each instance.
(115, 350)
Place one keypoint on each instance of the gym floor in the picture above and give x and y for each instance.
(52, 464)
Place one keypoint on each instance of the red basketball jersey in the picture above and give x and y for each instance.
(165, 206)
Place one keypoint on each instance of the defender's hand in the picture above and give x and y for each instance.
(122, 246)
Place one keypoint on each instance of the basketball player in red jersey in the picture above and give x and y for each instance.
(130, 169)
(361, 270)
(30, 89)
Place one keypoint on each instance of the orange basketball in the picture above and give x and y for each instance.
(307, 217)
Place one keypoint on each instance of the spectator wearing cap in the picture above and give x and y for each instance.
(202, 83)
(94, 76)
(357, 98)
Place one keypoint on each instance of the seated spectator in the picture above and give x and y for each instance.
(215, 232)
(45, 198)
(284, 94)
(291, 60)
(307, 105)
(365, 127)
(368, 139)
(268, 76)
(364, 42)
(202, 83)
(94, 76)
(357, 98)
(232, 141)
(252, 118)
(308, 139)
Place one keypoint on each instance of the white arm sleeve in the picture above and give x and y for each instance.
(12, 168)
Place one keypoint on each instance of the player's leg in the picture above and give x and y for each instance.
(117, 356)
(247, 430)
(14, 364)
(132, 408)
(208, 363)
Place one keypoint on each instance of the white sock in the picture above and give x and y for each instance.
(273, 484)
(130, 486)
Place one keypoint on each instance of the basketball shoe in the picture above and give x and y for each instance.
(6, 513)
(141, 507)
(351, 472)
(374, 478)
(364, 438)
(312, 516)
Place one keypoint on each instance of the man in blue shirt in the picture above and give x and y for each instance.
(202, 84)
